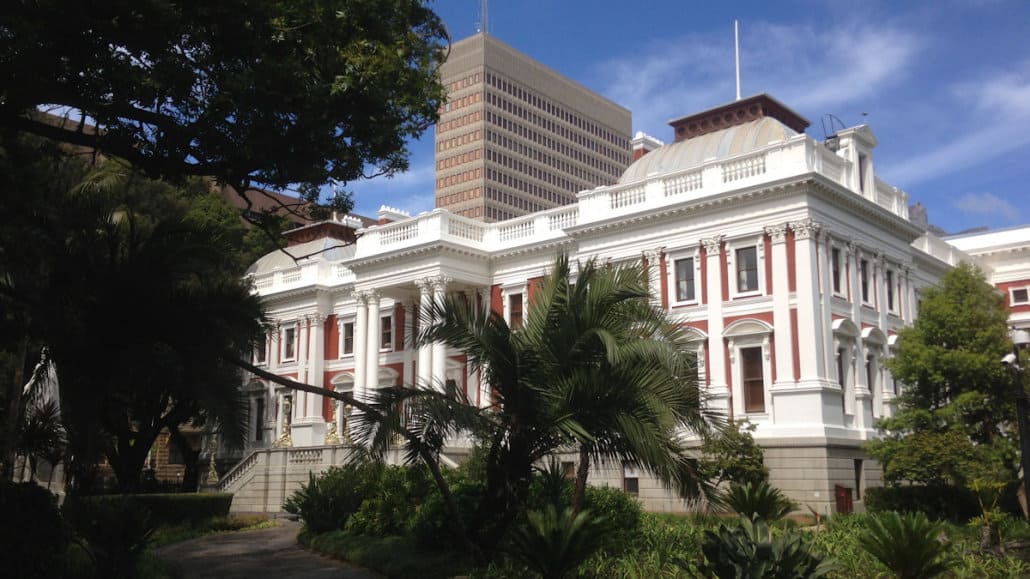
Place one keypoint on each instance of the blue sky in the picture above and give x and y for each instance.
(945, 85)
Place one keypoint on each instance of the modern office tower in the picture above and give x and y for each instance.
(516, 137)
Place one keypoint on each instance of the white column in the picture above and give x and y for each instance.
(425, 351)
(810, 328)
(372, 344)
(826, 283)
(718, 387)
(316, 364)
(300, 398)
(360, 344)
(654, 275)
(439, 367)
(274, 344)
(781, 305)
(908, 291)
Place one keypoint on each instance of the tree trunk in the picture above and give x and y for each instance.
(8, 454)
(190, 458)
(582, 471)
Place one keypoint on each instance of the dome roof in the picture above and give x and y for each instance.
(720, 144)
(324, 248)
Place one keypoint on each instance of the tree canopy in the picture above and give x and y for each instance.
(271, 92)
(955, 422)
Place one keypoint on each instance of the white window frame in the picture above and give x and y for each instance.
(842, 267)
(756, 333)
(1012, 295)
(342, 322)
(384, 319)
(282, 348)
(893, 295)
(731, 266)
(866, 296)
(506, 292)
(673, 282)
(630, 472)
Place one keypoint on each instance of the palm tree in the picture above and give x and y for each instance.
(621, 370)
(595, 366)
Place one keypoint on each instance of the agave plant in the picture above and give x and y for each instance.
(554, 544)
(907, 544)
(749, 549)
(758, 501)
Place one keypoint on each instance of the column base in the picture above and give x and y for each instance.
(309, 432)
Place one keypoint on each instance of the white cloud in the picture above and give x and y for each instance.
(990, 116)
(411, 191)
(986, 204)
(812, 70)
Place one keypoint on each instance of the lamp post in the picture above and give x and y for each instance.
(1020, 339)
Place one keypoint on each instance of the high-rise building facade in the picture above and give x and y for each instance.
(516, 137)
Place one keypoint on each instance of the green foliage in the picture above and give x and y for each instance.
(663, 546)
(432, 524)
(161, 509)
(750, 549)
(908, 545)
(758, 501)
(389, 508)
(115, 533)
(955, 420)
(554, 543)
(730, 454)
(33, 536)
(955, 504)
(394, 556)
(327, 502)
(197, 88)
(622, 511)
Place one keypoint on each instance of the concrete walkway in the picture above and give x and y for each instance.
(249, 554)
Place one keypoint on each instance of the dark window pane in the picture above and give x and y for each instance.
(747, 269)
(685, 279)
(753, 379)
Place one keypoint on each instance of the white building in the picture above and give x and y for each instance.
(793, 265)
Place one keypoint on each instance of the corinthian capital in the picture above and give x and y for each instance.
(777, 233)
(805, 229)
(713, 245)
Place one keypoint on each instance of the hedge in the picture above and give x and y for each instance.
(164, 509)
(955, 504)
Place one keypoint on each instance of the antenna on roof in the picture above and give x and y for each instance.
(736, 52)
(484, 20)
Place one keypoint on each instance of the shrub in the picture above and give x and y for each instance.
(390, 509)
(115, 532)
(955, 504)
(907, 544)
(555, 543)
(731, 454)
(749, 549)
(32, 536)
(164, 509)
(328, 501)
(619, 509)
(433, 526)
(758, 501)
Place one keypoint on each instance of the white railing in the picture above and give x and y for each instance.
(682, 183)
(829, 164)
(465, 229)
(743, 168)
(238, 471)
(618, 199)
(942, 250)
(398, 232)
(291, 275)
(562, 219)
(305, 456)
(519, 230)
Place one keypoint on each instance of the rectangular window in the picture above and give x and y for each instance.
(753, 379)
(289, 343)
(835, 264)
(348, 338)
(259, 418)
(515, 311)
(889, 280)
(685, 279)
(259, 350)
(1020, 296)
(863, 163)
(870, 373)
(863, 276)
(630, 480)
(747, 269)
(840, 367)
(386, 333)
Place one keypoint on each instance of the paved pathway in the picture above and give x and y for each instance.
(249, 554)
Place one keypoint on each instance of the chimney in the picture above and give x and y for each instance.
(736, 113)
(643, 144)
(390, 214)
